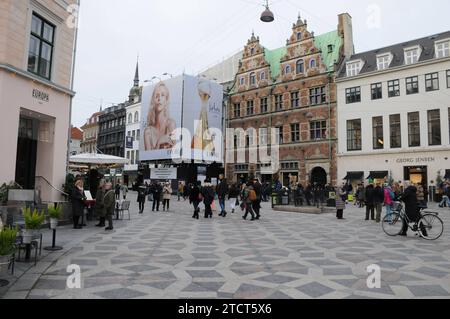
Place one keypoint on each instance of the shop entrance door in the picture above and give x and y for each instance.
(417, 174)
(27, 153)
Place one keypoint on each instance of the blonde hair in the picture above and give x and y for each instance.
(151, 118)
(79, 183)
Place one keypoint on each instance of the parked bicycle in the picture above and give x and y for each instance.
(429, 226)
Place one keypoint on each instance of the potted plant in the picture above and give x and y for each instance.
(33, 223)
(54, 213)
(4, 190)
(7, 244)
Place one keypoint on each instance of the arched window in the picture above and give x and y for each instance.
(136, 117)
(299, 36)
(262, 76)
(300, 66)
(252, 51)
(130, 118)
(252, 78)
(312, 63)
(242, 81)
(287, 69)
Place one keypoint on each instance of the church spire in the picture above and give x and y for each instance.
(136, 75)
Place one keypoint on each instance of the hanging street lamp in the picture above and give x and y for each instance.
(267, 15)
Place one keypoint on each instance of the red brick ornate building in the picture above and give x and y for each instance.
(292, 89)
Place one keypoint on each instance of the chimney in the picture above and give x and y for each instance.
(345, 30)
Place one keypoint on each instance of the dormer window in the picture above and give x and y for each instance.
(252, 78)
(384, 61)
(443, 49)
(312, 63)
(299, 36)
(353, 68)
(330, 48)
(287, 69)
(412, 55)
(252, 51)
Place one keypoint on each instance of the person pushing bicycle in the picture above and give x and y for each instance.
(412, 208)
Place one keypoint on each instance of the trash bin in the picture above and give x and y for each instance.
(274, 199)
(285, 198)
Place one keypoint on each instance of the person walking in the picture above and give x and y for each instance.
(370, 201)
(208, 198)
(248, 197)
(222, 191)
(445, 196)
(195, 198)
(389, 197)
(157, 191)
(110, 204)
(167, 194)
(233, 195)
(378, 200)
(180, 190)
(117, 190)
(256, 204)
(421, 195)
(99, 204)
(308, 194)
(78, 205)
(341, 197)
(409, 197)
(142, 193)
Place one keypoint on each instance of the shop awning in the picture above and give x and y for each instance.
(378, 175)
(351, 176)
(447, 174)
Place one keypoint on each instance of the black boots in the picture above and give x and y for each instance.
(101, 223)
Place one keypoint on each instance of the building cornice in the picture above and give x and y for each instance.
(399, 152)
(29, 76)
(392, 70)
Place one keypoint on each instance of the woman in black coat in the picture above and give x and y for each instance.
(78, 199)
(409, 197)
(142, 192)
(194, 198)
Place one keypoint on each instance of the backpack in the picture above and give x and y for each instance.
(252, 195)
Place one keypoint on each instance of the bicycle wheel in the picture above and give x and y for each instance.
(392, 224)
(431, 227)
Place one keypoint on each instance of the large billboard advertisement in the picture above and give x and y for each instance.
(186, 106)
(161, 116)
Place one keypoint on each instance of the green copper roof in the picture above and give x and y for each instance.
(273, 57)
(323, 41)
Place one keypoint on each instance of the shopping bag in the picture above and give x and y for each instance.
(213, 206)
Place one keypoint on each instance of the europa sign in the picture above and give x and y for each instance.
(41, 96)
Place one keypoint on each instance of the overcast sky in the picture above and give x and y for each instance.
(190, 35)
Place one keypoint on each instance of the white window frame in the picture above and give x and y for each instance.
(442, 49)
(382, 63)
(354, 67)
(412, 55)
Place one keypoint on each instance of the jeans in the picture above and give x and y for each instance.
(155, 204)
(388, 209)
(166, 204)
(249, 209)
(141, 206)
(222, 204)
(445, 200)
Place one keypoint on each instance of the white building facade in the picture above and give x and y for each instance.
(394, 113)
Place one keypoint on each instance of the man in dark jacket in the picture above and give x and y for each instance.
(370, 202)
(110, 205)
(157, 192)
(256, 205)
(222, 191)
(208, 198)
(142, 193)
(412, 210)
(378, 201)
(194, 198)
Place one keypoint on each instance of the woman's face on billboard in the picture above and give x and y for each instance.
(161, 98)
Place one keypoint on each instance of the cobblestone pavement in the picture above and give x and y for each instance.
(284, 255)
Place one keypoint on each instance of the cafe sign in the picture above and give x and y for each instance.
(40, 95)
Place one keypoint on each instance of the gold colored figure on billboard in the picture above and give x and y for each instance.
(157, 135)
(202, 138)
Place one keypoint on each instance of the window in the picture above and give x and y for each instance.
(252, 51)
(317, 96)
(128, 155)
(264, 105)
(434, 127)
(448, 79)
(295, 132)
(395, 130)
(412, 85)
(132, 157)
(287, 69)
(318, 130)
(278, 102)
(383, 62)
(312, 63)
(377, 91)
(295, 100)
(432, 82)
(138, 135)
(354, 135)
(250, 108)
(134, 135)
(40, 53)
(262, 76)
(137, 157)
(353, 68)
(237, 110)
(300, 67)
(263, 136)
(411, 56)
(242, 81)
(136, 117)
(353, 95)
(299, 36)
(414, 129)
(252, 78)
(330, 48)
(378, 138)
(394, 88)
(250, 137)
(443, 49)
(280, 136)
(130, 118)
